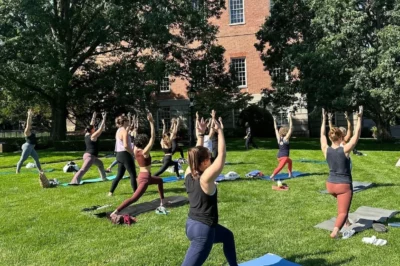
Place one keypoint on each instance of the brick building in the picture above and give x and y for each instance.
(237, 28)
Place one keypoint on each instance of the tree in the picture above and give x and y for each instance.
(346, 53)
(53, 49)
(217, 88)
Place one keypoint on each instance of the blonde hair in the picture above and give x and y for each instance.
(335, 134)
(196, 156)
(283, 131)
(344, 130)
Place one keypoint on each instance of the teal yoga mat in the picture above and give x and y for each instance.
(303, 160)
(284, 176)
(93, 180)
(269, 260)
(171, 179)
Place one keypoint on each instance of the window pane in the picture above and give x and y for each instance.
(236, 11)
(239, 65)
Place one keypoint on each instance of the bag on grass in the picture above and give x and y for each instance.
(70, 167)
(30, 165)
(398, 163)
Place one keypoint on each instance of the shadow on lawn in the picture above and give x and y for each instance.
(300, 259)
(385, 185)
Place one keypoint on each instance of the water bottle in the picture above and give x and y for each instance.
(279, 183)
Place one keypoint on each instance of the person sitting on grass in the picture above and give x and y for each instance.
(166, 146)
(283, 136)
(142, 150)
(91, 154)
(202, 227)
(340, 183)
(28, 148)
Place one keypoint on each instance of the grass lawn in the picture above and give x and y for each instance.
(46, 226)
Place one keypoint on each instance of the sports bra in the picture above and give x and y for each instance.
(141, 160)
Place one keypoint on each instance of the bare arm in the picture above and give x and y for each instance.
(175, 129)
(201, 127)
(163, 126)
(125, 139)
(93, 119)
(28, 127)
(349, 128)
(207, 180)
(289, 134)
(330, 116)
(353, 141)
(276, 130)
(101, 128)
(323, 140)
(147, 149)
(220, 123)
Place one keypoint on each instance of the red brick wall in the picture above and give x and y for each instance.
(238, 41)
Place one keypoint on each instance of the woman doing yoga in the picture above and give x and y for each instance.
(123, 148)
(142, 154)
(347, 133)
(28, 148)
(175, 147)
(283, 136)
(339, 183)
(91, 154)
(202, 228)
(166, 146)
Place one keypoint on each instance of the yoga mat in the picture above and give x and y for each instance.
(357, 187)
(171, 179)
(269, 260)
(303, 160)
(136, 209)
(93, 180)
(394, 224)
(283, 176)
(221, 177)
(361, 219)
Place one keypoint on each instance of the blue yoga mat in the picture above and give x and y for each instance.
(394, 224)
(303, 160)
(269, 260)
(221, 177)
(171, 179)
(284, 176)
(93, 180)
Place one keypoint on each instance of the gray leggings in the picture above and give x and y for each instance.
(28, 149)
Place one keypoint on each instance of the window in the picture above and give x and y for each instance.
(271, 4)
(164, 113)
(165, 85)
(280, 73)
(239, 64)
(195, 4)
(236, 11)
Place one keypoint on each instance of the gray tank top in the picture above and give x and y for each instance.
(339, 166)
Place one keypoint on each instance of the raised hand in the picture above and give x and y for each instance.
(213, 113)
(323, 113)
(360, 111)
(220, 122)
(150, 118)
(201, 126)
(30, 112)
(104, 114)
(330, 116)
(162, 121)
(346, 115)
(216, 125)
(197, 116)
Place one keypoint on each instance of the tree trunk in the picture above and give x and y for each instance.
(383, 127)
(59, 119)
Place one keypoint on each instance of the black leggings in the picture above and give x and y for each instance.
(249, 140)
(167, 162)
(125, 162)
(176, 148)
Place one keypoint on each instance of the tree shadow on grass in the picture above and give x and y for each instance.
(302, 260)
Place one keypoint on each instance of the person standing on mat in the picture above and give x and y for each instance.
(283, 136)
(249, 137)
(133, 122)
(175, 147)
(202, 228)
(91, 154)
(142, 150)
(123, 148)
(166, 146)
(339, 183)
(28, 148)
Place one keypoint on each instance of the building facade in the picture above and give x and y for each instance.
(238, 24)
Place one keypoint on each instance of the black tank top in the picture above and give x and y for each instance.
(284, 148)
(92, 147)
(339, 166)
(203, 207)
(31, 139)
(168, 150)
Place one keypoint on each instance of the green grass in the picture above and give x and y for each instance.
(46, 227)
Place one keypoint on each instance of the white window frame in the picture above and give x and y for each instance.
(163, 87)
(230, 15)
(245, 70)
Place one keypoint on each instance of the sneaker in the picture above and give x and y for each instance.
(348, 233)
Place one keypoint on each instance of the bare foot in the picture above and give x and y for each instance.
(334, 232)
(110, 194)
(272, 178)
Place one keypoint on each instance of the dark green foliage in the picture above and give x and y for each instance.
(105, 145)
(260, 120)
(346, 53)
